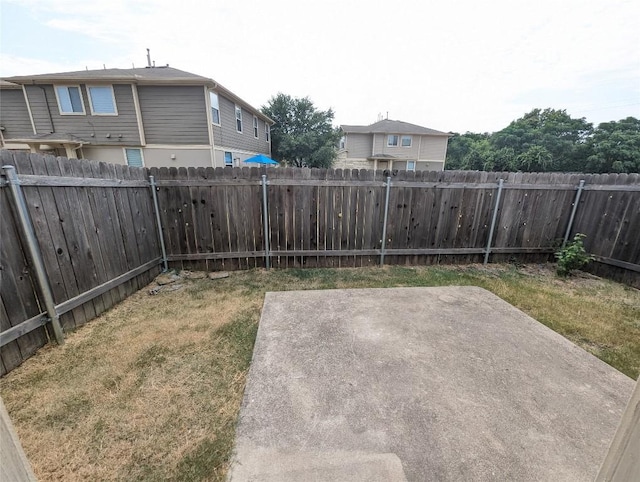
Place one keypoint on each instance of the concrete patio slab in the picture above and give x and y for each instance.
(416, 384)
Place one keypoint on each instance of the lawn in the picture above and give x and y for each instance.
(151, 389)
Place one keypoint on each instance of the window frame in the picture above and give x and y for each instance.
(389, 136)
(212, 93)
(414, 166)
(66, 86)
(267, 132)
(342, 144)
(126, 159)
(255, 127)
(406, 136)
(225, 158)
(113, 99)
(238, 110)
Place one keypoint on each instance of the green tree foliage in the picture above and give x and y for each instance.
(615, 147)
(468, 151)
(302, 136)
(550, 140)
(545, 140)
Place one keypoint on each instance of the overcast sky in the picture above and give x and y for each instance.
(452, 65)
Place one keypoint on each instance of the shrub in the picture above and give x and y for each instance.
(572, 256)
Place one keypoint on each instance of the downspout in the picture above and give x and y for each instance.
(207, 103)
(26, 99)
(46, 100)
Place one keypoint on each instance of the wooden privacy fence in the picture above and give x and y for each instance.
(93, 233)
(215, 218)
(95, 237)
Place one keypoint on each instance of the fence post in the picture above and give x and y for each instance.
(493, 221)
(265, 222)
(573, 212)
(384, 225)
(24, 220)
(152, 181)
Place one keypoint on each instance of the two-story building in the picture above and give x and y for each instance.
(153, 116)
(391, 144)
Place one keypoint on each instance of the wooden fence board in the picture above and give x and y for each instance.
(84, 265)
(41, 209)
(111, 222)
(104, 234)
(18, 300)
(94, 251)
(215, 215)
(75, 241)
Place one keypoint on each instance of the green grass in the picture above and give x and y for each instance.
(151, 389)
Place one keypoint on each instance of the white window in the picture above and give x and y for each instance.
(255, 127)
(392, 140)
(267, 132)
(69, 100)
(406, 141)
(134, 157)
(228, 159)
(101, 100)
(342, 142)
(238, 119)
(215, 108)
(411, 165)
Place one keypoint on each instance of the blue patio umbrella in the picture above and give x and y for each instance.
(261, 159)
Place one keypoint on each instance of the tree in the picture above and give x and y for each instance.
(545, 140)
(615, 147)
(465, 151)
(541, 140)
(302, 136)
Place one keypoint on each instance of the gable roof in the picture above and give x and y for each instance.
(142, 76)
(150, 75)
(387, 126)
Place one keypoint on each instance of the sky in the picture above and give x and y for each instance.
(452, 65)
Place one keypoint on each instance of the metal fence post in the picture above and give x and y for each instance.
(384, 225)
(265, 222)
(573, 212)
(24, 220)
(493, 221)
(152, 181)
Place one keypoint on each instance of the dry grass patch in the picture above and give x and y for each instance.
(137, 393)
(151, 390)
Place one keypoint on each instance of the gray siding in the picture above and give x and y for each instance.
(399, 152)
(358, 146)
(226, 136)
(37, 96)
(174, 114)
(123, 128)
(14, 116)
(433, 148)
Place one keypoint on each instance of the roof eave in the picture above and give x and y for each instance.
(439, 134)
(110, 79)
